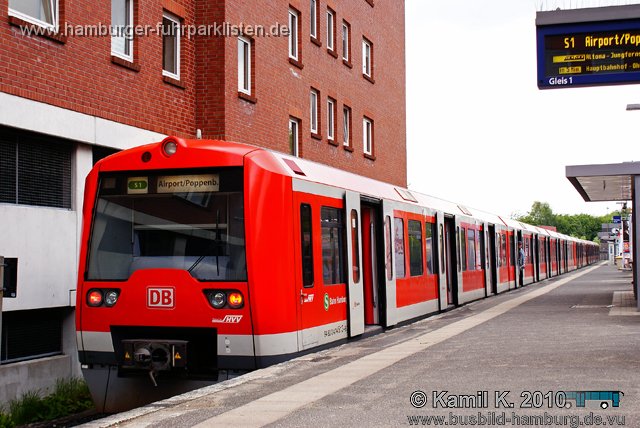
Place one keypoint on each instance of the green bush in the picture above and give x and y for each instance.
(69, 397)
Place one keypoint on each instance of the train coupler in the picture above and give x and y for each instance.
(154, 355)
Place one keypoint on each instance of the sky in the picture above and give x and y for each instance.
(481, 133)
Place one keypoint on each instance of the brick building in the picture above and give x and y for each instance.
(321, 79)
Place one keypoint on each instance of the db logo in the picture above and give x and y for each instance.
(160, 297)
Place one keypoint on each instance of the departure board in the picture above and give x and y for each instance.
(588, 54)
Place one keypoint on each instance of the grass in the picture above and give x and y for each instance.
(69, 397)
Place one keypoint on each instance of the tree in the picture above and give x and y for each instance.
(582, 226)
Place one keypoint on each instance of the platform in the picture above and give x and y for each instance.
(525, 347)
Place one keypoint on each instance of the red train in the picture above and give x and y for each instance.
(199, 256)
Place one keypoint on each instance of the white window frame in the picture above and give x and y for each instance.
(331, 105)
(331, 20)
(294, 18)
(128, 41)
(313, 19)
(313, 110)
(175, 20)
(294, 131)
(367, 136)
(346, 126)
(345, 41)
(244, 65)
(53, 26)
(366, 57)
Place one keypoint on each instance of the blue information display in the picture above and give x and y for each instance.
(588, 53)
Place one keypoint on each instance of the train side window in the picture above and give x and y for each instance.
(387, 248)
(398, 245)
(471, 248)
(503, 249)
(429, 245)
(415, 248)
(332, 225)
(355, 254)
(307, 245)
(463, 248)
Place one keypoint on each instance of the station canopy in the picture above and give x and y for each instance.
(604, 182)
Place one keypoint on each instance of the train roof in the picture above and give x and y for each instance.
(307, 170)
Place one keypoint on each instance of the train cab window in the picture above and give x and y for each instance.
(429, 234)
(332, 225)
(463, 248)
(355, 254)
(307, 245)
(387, 248)
(415, 248)
(471, 249)
(191, 220)
(398, 246)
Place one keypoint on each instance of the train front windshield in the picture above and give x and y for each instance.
(191, 221)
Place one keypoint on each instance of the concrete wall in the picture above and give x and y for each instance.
(46, 240)
(37, 375)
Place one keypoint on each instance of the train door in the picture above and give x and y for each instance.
(492, 255)
(536, 260)
(484, 258)
(355, 292)
(443, 283)
(452, 260)
(389, 294)
(370, 239)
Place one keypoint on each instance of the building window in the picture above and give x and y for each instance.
(331, 122)
(171, 46)
(367, 58)
(293, 34)
(415, 248)
(122, 29)
(331, 29)
(332, 225)
(313, 19)
(346, 126)
(346, 42)
(34, 170)
(244, 65)
(367, 136)
(40, 12)
(294, 136)
(20, 327)
(313, 111)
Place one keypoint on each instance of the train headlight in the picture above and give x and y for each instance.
(170, 148)
(218, 299)
(110, 297)
(94, 298)
(236, 300)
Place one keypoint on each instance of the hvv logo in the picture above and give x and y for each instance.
(161, 297)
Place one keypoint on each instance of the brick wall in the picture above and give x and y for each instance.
(283, 89)
(79, 73)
